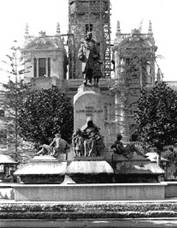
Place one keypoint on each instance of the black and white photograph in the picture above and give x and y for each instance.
(88, 113)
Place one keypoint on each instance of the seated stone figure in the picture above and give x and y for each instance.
(132, 147)
(117, 146)
(45, 150)
(93, 141)
(59, 145)
(128, 150)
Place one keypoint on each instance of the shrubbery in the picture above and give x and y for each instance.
(87, 210)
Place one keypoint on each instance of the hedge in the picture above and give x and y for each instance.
(87, 210)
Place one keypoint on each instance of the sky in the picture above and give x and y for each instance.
(43, 15)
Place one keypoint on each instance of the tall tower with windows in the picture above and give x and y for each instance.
(134, 56)
(93, 16)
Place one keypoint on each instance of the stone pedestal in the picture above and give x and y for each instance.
(88, 102)
(89, 192)
(42, 170)
(90, 170)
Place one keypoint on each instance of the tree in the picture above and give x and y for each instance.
(15, 91)
(44, 113)
(170, 153)
(156, 116)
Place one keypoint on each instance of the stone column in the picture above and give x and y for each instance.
(116, 107)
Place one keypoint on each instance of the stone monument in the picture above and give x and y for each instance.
(91, 175)
(89, 165)
(89, 119)
(88, 103)
(88, 100)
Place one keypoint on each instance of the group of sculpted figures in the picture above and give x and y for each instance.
(86, 142)
(128, 150)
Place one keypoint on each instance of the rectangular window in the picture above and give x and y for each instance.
(1, 168)
(42, 67)
(48, 67)
(105, 112)
(88, 28)
(3, 136)
(35, 68)
(2, 113)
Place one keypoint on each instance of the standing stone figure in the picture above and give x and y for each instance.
(90, 57)
(78, 143)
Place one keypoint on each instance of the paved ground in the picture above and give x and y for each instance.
(107, 223)
(101, 223)
(174, 199)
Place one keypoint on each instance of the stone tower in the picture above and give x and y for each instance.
(93, 16)
(134, 56)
